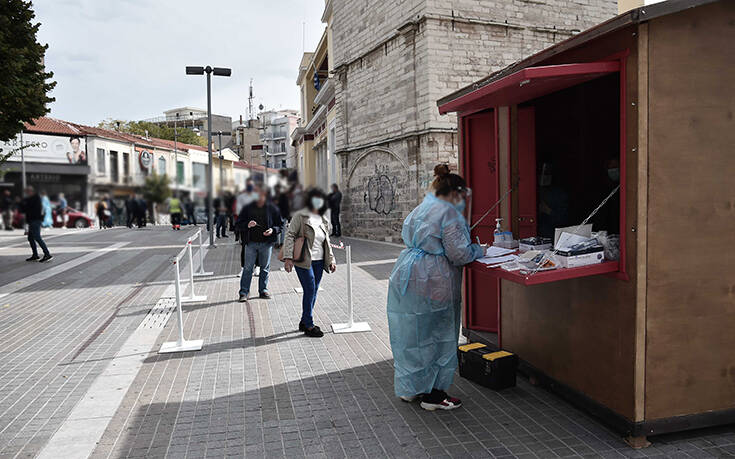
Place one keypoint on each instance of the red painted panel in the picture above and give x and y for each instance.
(527, 172)
(480, 169)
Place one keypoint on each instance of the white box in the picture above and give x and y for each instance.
(586, 259)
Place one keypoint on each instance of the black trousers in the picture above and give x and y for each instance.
(176, 219)
(336, 225)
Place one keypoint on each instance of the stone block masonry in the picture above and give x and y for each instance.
(395, 59)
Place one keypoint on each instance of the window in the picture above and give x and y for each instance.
(100, 161)
(199, 175)
(180, 172)
(567, 157)
(114, 175)
(162, 166)
(283, 147)
(126, 165)
(283, 164)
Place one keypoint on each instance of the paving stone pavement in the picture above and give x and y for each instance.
(259, 388)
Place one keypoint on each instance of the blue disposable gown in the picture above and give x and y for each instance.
(424, 296)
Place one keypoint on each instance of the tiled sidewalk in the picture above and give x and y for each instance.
(260, 389)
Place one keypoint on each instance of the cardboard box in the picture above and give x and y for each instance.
(567, 260)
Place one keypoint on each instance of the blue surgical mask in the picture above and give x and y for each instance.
(614, 174)
(460, 206)
(317, 203)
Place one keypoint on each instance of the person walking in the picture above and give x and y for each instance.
(424, 293)
(189, 206)
(6, 207)
(141, 210)
(130, 209)
(174, 209)
(63, 208)
(259, 224)
(316, 256)
(220, 217)
(335, 201)
(102, 212)
(48, 217)
(33, 210)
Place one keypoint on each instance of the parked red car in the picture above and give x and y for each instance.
(76, 219)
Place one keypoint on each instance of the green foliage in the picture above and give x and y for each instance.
(23, 78)
(184, 135)
(157, 188)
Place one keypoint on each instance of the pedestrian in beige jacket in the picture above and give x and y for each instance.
(317, 254)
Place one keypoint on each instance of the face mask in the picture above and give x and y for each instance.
(249, 188)
(317, 203)
(460, 206)
(614, 174)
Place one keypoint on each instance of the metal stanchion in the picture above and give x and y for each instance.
(351, 326)
(200, 271)
(180, 345)
(192, 296)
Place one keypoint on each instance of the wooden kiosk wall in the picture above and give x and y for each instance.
(690, 313)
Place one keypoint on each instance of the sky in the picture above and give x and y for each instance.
(126, 59)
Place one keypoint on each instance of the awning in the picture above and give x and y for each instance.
(527, 84)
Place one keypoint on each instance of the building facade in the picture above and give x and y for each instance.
(277, 127)
(316, 135)
(196, 120)
(390, 67)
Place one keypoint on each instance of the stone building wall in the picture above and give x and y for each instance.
(395, 59)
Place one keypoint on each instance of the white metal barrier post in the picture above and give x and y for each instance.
(180, 345)
(351, 326)
(192, 296)
(200, 271)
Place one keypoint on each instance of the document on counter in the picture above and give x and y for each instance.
(497, 261)
(493, 251)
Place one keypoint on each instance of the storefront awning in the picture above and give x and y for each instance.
(527, 84)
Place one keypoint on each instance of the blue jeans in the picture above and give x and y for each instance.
(310, 279)
(34, 235)
(259, 252)
(221, 221)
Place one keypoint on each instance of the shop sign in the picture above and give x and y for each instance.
(146, 159)
(42, 148)
(44, 178)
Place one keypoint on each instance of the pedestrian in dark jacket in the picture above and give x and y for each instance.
(141, 207)
(130, 209)
(259, 224)
(6, 207)
(33, 210)
(335, 201)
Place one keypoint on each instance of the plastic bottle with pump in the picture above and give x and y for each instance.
(498, 233)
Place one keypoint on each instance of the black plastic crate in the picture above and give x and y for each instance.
(496, 370)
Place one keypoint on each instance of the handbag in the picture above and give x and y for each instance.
(298, 247)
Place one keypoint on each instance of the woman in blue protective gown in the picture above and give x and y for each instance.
(424, 295)
(48, 219)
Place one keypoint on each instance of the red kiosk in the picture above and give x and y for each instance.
(645, 342)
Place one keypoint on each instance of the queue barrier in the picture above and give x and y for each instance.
(201, 271)
(182, 344)
(351, 326)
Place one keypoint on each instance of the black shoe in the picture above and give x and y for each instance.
(33, 258)
(265, 296)
(314, 332)
(302, 327)
(46, 258)
(243, 299)
(439, 400)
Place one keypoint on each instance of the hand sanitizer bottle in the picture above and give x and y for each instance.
(498, 234)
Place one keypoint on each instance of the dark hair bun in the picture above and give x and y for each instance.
(441, 170)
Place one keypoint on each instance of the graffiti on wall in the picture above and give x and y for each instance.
(381, 191)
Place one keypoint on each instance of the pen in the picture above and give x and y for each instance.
(478, 240)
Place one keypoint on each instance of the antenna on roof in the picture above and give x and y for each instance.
(250, 102)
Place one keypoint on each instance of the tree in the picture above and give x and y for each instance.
(184, 135)
(157, 188)
(24, 84)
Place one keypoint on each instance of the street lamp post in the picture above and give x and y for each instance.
(221, 157)
(176, 158)
(22, 163)
(218, 71)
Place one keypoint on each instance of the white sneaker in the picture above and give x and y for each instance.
(409, 399)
